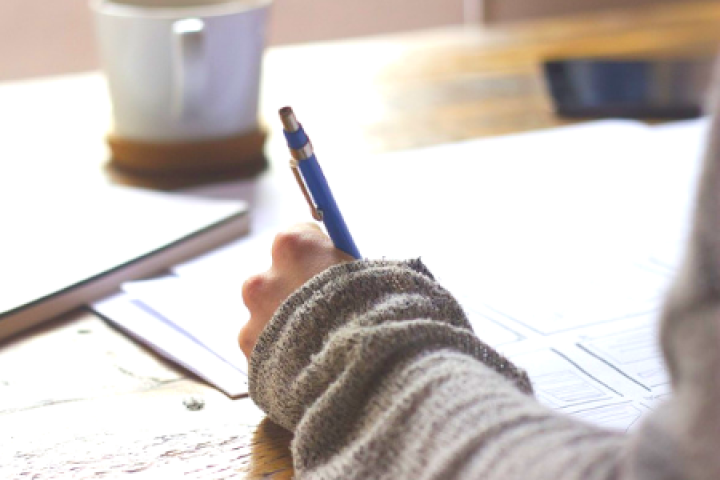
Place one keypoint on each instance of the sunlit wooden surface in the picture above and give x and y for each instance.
(80, 400)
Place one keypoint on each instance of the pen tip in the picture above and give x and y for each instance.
(290, 123)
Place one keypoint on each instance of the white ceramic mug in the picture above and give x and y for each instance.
(182, 70)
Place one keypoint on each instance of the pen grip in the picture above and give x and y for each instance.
(332, 218)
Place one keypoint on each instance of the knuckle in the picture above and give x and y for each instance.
(253, 289)
(246, 340)
(292, 244)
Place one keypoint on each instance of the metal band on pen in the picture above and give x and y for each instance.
(304, 152)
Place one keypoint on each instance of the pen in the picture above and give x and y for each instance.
(313, 185)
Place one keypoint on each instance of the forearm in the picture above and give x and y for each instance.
(444, 415)
(376, 370)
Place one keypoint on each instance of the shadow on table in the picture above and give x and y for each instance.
(270, 456)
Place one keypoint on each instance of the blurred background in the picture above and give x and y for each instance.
(40, 37)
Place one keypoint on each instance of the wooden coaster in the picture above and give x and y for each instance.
(170, 165)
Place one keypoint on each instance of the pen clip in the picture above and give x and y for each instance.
(316, 213)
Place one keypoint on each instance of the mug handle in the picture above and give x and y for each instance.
(189, 76)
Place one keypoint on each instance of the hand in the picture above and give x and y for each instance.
(298, 254)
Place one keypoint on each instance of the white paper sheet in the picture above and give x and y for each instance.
(559, 244)
(209, 314)
(172, 343)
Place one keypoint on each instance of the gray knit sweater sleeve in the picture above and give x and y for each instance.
(376, 369)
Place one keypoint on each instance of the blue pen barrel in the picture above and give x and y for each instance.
(333, 219)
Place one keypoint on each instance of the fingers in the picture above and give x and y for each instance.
(298, 254)
(259, 294)
(248, 337)
(297, 243)
(262, 294)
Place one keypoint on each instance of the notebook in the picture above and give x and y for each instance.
(64, 248)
